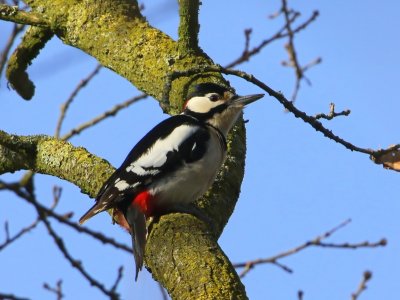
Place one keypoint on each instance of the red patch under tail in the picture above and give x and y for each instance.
(144, 201)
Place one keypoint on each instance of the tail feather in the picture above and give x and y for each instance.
(137, 222)
(104, 201)
(94, 210)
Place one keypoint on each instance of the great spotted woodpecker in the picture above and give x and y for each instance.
(174, 164)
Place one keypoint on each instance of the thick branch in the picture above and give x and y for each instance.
(196, 260)
(189, 25)
(46, 155)
(33, 41)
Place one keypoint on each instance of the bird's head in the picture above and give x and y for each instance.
(217, 105)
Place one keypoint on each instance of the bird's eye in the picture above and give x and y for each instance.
(214, 97)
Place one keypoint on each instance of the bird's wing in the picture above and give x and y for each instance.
(177, 140)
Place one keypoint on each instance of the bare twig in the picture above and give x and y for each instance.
(291, 50)
(63, 218)
(281, 33)
(317, 125)
(288, 105)
(332, 114)
(9, 240)
(98, 119)
(247, 53)
(67, 103)
(363, 285)
(57, 290)
(17, 28)
(290, 45)
(75, 263)
(118, 279)
(316, 242)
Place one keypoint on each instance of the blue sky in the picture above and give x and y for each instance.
(298, 184)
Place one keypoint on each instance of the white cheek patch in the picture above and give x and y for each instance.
(202, 104)
(156, 156)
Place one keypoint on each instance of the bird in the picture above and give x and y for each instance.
(175, 163)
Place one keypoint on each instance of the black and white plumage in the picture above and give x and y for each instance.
(174, 164)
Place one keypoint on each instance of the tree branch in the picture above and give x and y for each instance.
(363, 285)
(67, 103)
(316, 242)
(14, 14)
(189, 26)
(17, 28)
(112, 112)
(33, 41)
(46, 155)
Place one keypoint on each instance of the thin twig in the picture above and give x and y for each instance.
(247, 53)
(290, 45)
(118, 279)
(363, 285)
(332, 114)
(63, 219)
(291, 50)
(98, 119)
(17, 28)
(316, 242)
(56, 290)
(75, 263)
(67, 103)
(281, 33)
(9, 240)
(289, 106)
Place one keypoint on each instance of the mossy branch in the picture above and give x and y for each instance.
(33, 41)
(46, 155)
(15, 15)
(189, 26)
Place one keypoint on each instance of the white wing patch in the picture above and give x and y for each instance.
(121, 185)
(156, 156)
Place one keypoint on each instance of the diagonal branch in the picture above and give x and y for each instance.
(363, 285)
(112, 112)
(46, 155)
(67, 103)
(16, 15)
(316, 242)
(17, 28)
(9, 240)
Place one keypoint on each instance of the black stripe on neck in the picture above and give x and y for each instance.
(220, 135)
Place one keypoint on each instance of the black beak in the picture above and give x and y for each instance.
(241, 101)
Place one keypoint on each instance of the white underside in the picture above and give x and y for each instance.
(190, 182)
